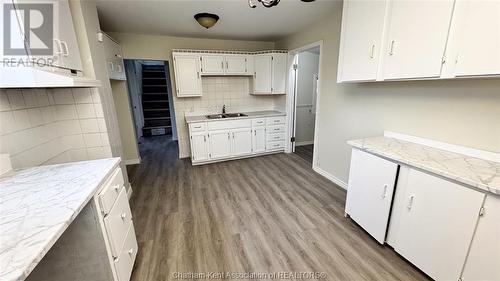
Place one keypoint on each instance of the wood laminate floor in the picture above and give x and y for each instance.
(258, 215)
(305, 152)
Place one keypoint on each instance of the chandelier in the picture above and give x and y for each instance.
(269, 3)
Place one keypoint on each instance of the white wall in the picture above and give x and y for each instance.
(49, 126)
(308, 65)
(463, 112)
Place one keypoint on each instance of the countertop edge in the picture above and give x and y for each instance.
(33, 263)
(478, 185)
(278, 113)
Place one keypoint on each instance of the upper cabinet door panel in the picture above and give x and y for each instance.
(212, 64)
(479, 44)
(362, 28)
(236, 65)
(279, 73)
(187, 75)
(69, 44)
(416, 38)
(262, 74)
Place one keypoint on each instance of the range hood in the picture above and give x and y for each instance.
(32, 77)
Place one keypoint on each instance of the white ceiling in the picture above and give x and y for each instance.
(237, 20)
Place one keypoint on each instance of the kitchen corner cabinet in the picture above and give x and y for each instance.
(187, 75)
(362, 28)
(269, 74)
(483, 262)
(114, 58)
(433, 222)
(371, 185)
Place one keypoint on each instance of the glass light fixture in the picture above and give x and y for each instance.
(269, 3)
(206, 20)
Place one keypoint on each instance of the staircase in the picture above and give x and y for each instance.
(155, 105)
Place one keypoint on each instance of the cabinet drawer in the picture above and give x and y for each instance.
(125, 261)
(276, 137)
(111, 190)
(198, 127)
(276, 129)
(273, 145)
(229, 124)
(258, 122)
(117, 222)
(276, 120)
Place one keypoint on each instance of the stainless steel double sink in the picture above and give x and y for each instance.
(225, 115)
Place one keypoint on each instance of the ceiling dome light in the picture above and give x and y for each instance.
(206, 20)
(269, 3)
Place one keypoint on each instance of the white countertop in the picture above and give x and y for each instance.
(251, 114)
(38, 204)
(479, 173)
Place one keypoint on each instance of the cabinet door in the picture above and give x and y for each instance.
(212, 64)
(67, 36)
(259, 139)
(199, 147)
(436, 221)
(187, 75)
(262, 74)
(369, 194)
(479, 47)
(220, 144)
(279, 73)
(362, 28)
(250, 64)
(236, 65)
(416, 38)
(484, 257)
(242, 142)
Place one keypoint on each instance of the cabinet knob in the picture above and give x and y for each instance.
(123, 216)
(116, 187)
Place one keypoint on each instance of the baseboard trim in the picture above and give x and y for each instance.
(331, 177)
(301, 143)
(133, 161)
(129, 192)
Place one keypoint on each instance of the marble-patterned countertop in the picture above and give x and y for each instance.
(479, 173)
(38, 204)
(251, 114)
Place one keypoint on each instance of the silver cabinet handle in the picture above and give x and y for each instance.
(197, 127)
(410, 202)
(131, 251)
(65, 47)
(391, 50)
(227, 65)
(123, 216)
(254, 132)
(57, 42)
(372, 51)
(116, 187)
(228, 136)
(384, 194)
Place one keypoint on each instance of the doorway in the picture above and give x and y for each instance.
(151, 99)
(304, 81)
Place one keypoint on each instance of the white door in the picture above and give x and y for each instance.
(262, 74)
(199, 147)
(67, 36)
(416, 38)
(279, 73)
(479, 47)
(436, 221)
(242, 141)
(259, 139)
(484, 257)
(362, 28)
(212, 64)
(250, 64)
(236, 65)
(369, 195)
(187, 75)
(220, 144)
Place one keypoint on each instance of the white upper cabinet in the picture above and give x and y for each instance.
(236, 65)
(478, 38)
(262, 74)
(361, 43)
(114, 58)
(187, 75)
(212, 64)
(69, 50)
(416, 38)
(369, 195)
(270, 73)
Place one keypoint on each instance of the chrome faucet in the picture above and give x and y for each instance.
(224, 109)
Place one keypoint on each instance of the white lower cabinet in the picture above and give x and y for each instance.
(124, 263)
(242, 142)
(483, 262)
(371, 185)
(259, 139)
(433, 221)
(229, 139)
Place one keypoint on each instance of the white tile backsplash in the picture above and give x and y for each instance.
(48, 126)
